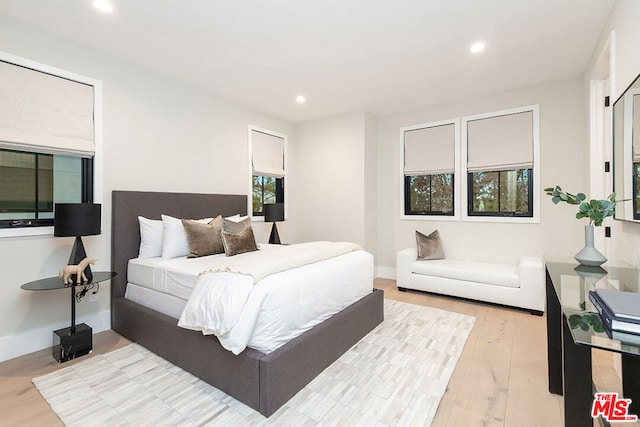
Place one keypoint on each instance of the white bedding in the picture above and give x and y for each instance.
(158, 301)
(177, 276)
(276, 309)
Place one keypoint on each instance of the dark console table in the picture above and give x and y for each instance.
(76, 340)
(569, 349)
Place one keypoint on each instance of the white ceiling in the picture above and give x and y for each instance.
(343, 55)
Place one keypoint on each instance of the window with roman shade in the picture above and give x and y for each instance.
(500, 143)
(47, 141)
(428, 168)
(43, 113)
(267, 168)
(267, 154)
(500, 164)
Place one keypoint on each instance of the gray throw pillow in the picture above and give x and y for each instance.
(239, 243)
(204, 239)
(429, 247)
(236, 227)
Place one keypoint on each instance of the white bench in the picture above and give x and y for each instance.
(519, 285)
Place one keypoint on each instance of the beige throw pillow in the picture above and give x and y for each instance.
(236, 227)
(204, 239)
(429, 247)
(239, 243)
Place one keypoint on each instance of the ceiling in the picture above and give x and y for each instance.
(344, 55)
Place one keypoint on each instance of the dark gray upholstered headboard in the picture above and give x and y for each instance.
(125, 229)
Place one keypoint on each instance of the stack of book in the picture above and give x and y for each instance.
(620, 313)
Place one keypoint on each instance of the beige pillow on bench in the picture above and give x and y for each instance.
(429, 247)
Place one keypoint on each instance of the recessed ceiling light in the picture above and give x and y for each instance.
(103, 6)
(300, 99)
(477, 47)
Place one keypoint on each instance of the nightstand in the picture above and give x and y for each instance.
(76, 340)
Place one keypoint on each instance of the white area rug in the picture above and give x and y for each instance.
(396, 375)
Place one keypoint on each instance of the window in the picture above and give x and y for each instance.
(501, 193)
(501, 149)
(49, 147)
(428, 155)
(428, 194)
(266, 190)
(33, 182)
(267, 151)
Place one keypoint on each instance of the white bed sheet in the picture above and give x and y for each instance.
(280, 307)
(176, 276)
(158, 301)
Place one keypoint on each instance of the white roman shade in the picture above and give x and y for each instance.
(500, 142)
(635, 128)
(429, 150)
(43, 113)
(267, 154)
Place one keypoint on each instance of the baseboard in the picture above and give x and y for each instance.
(386, 272)
(37, 339)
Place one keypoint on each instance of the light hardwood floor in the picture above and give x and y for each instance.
(20, 402)
(500, 378)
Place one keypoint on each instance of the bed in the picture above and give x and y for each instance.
(263, 381)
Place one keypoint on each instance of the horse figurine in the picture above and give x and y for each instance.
(67, 271)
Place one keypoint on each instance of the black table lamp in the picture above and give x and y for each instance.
(76, 220)
(274, 212)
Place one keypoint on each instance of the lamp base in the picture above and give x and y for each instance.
(274, 238)
(78, 254)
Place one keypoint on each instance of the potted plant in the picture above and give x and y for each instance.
(595, 210)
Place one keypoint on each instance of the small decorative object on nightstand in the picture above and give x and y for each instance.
(67, 271)
(274, 212)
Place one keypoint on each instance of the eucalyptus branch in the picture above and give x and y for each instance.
(595, 210)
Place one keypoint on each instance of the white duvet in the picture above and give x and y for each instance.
(268, 298)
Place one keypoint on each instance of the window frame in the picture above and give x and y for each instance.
(97, 164)
(283, 189)
(455, 216)
(534, 184)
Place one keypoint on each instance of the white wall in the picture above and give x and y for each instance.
(327, 169)
(623, 19)
(371, 183)
(561, 146)
(158, 135)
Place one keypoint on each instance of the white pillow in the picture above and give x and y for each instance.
(236, 218)
(150, 237)
(174, 239)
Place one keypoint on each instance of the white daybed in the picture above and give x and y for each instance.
(519, 285)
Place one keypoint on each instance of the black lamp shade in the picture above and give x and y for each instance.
(274, 212)
(76, 219)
